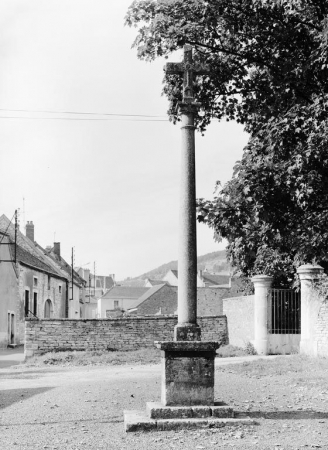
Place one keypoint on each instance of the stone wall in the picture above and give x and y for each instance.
(240, 316)
(118, 334)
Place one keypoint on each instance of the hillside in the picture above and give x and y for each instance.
(212, 262)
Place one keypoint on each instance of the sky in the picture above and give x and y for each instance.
(105, 182)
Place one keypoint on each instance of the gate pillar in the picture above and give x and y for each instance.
(262, 286)
(308, 273)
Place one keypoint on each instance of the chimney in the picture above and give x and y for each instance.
(30, 230)
(57, 248)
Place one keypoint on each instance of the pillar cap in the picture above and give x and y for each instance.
(309, 271)
(264, 280)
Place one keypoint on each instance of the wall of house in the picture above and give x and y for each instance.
(75, 309)
(55, 291)
(240, 316)
(9, 297)
(119, 334)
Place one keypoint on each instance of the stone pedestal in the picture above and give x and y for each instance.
(262, 286)
(308, 273)
(187, 397)
(187, 372)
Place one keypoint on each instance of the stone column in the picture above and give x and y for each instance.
(187, 328)
(308, 273)
(262, 286)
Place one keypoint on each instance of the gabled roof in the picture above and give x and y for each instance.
(64, 266)
(215, 279)
(156, 282)
(125, 292)
(175, 272)
(151, 291)
(27, 251)
(139, 282)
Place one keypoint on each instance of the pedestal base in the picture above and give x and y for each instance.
(162, 418)
(187, 372)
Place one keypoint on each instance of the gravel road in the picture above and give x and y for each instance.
(81, 408)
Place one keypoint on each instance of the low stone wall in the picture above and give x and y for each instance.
(47, 335)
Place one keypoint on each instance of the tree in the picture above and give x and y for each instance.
(269, 71)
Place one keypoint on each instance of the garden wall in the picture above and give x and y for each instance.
(47, 335)
(240, 316)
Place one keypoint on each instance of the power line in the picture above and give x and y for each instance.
(72, 118)
(79, 113)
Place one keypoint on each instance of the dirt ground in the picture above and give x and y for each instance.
(82, 407)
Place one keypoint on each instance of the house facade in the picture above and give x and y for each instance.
(32, 284)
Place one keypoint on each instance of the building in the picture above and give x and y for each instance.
(163, 300)
(34, 282)
(29, 287)
(119, 299)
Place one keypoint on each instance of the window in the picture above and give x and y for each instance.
(48, 282)
(35, 281)
(27, 302)
(59, 287)
(115, 304)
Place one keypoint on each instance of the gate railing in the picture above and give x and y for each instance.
(285, 308)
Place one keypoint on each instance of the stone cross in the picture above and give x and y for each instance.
(189, 69)
(187, 328)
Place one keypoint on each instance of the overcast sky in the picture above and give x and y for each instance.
(106, 185)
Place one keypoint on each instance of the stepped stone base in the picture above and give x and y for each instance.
(162, 418)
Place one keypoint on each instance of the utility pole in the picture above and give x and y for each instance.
(94, 278)
(72, 272)
(16, 227)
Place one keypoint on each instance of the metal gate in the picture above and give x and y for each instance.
(285, 312)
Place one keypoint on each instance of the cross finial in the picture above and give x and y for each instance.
(189, 70)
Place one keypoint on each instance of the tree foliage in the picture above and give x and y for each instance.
(269, 71)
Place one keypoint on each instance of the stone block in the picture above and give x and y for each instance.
(138, 421)
(222, 411)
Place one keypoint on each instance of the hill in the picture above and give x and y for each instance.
(212, 262)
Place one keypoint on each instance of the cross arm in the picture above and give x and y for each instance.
(174, 68)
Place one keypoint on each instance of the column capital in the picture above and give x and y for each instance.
(309, 271)
(262, 281)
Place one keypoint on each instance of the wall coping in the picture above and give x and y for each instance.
(262, 280)
(116, 319)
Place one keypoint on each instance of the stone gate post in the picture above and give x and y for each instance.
(308, 273)
(262, 286)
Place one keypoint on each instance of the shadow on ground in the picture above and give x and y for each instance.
(284, 415)
(10, 396)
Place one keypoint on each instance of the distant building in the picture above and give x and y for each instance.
(204, 279)
(96, 285)
(119, 298)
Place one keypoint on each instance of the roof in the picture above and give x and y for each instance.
(215, 279)
(151, 291)
(27, 251)
(125, 292)
(132, 283)
(156, 282)
(175, 272)
(64, 266)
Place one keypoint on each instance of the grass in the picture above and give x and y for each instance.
(103, 358)
(95, 358)
(294, 366)
(228, 351)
